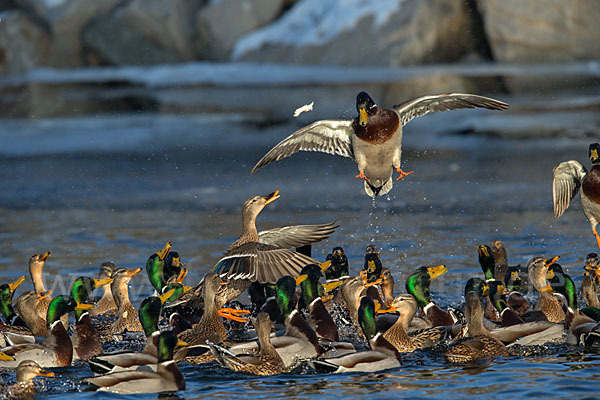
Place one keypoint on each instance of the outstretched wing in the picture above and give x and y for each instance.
(327, 136)
(565, 185)
(261, 262)
(297, 235)
(420, 106)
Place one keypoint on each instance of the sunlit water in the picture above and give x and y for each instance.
(88, 205)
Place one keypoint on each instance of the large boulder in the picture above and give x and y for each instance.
(224, 22)
(24, 44)
(364, 32)
(66, 20)
(169, 24)
(542, 30)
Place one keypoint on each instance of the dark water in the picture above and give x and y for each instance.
(100, 193)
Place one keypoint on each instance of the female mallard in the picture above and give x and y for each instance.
(569, 176)
(547, 303)
(266, 362)
(418, 284)
(127, 315)
(24, 388)
(86, 341)
(374, 138)
(149, 316)
(57, 350)
(29, 304)
(106, 304)
(479, 343)
(397, 336)
(382, 354)
(261, 256)
(166, 378)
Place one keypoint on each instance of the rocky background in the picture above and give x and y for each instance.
(72, 36)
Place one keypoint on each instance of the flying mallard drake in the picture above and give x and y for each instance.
(374, 138)
(569, 176)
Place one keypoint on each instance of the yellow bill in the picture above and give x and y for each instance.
(163, 253)
(13, 286)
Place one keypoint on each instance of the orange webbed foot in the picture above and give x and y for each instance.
(233, 314)
(597, 237)
(362, 176)
(402, 173)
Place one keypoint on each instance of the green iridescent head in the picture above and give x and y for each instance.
(167, 341)
(150, 314)
(61, 305)
(310, 286)
(512, 280)
(486, 261)
(497, 295)
(563, 284)
(286, 286)
(366, 317)
(7, 291)
(478, 286)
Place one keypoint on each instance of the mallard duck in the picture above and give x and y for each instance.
(351, 291)
(127, 316)
(261, 256)
(589, 288)
(339, 264)
(149, 316)
(547, 303)
(166, 378)
(374, 138)
(563, 285)
(29, 304)
(381, 356)
(397, 335)
(57, 350)
(569, 176)
(24, 387)
(497, 297)
(165, 267)
(500, 259)
(372, 269)
(106, 304)
(7, 292)
(266, 362)
(515, 285)
(480, 342)
(418, 284)
(86, 341)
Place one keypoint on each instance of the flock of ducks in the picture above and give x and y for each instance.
(304, 313)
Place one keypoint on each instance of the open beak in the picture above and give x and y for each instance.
(329, 286)
(45, 256)
(45, 294)
(325, 265)
(337, 253)
(43, 372)
(301, 279)
(175, 262)
(376, 282)
(514, 275)
(551, 261)
(82, 306)
(182, 274)
(234, 314)
(163, 253)
(5, 357)
(363, 116)
(434, 272)
(102, 282)
(271, 197)
(483, 251)
(13, 286)
(133, 272)
(187, 288)
(165, 296)
(385, 310)
(550, 274)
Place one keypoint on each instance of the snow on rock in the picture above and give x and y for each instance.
(363, 32)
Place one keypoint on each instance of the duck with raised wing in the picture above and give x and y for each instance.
(569, 177)
(262, 257)
(374, 138)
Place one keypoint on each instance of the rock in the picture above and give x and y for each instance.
(542, 30)
(66, 20)
(113, 42)
(224, 22)
(358, 32)
(169, 24)
(24, 44)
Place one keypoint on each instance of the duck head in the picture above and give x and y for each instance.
(366, 317)
(36, 269)
(254, 205)
(537, 268)
(106, 270)
(364, 106)
(594, 153)
(150, 312)
(478, 286)
(61, 305)
(284, 295)
(82, 288)
(563, 284)
(486, 261)
(167, 341)
(27, 370)
(156, 267)
(372, 266)
(309, 283)
(497, 293)
(512, 280)
(406, 305)
(418, 283)
(7, 292)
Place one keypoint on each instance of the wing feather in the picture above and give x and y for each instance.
(297, 235)
(565, 185)
(327, 136)
(420, 106)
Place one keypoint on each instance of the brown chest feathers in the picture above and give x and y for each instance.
(591, 184)
(381, 126)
